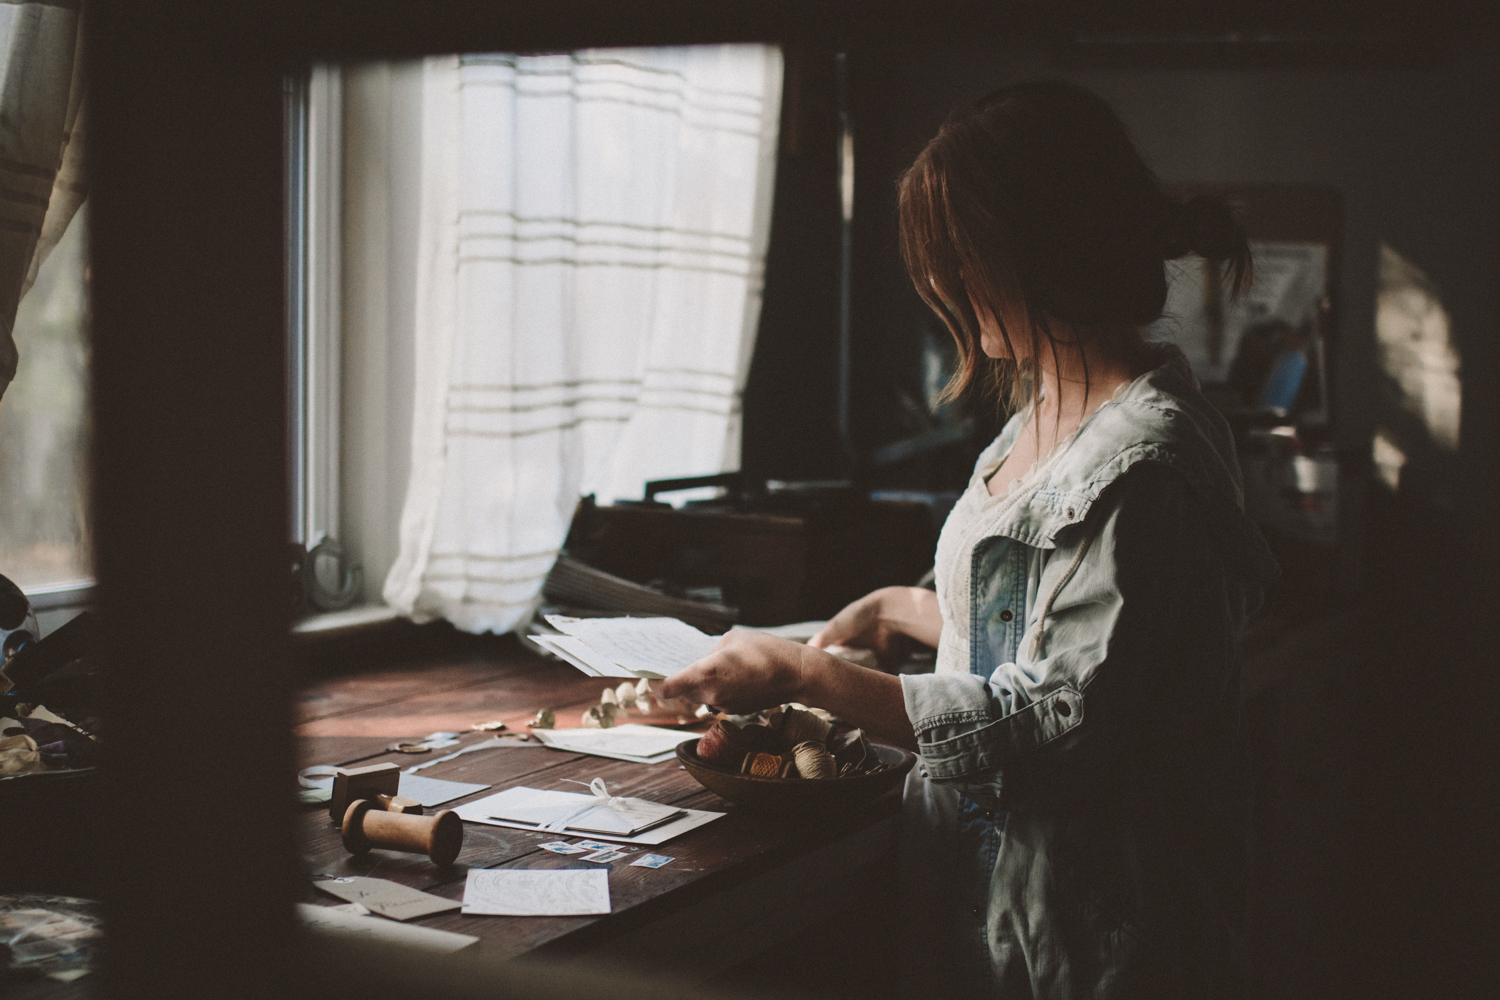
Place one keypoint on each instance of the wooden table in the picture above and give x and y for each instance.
(811, 899)
(767, 904)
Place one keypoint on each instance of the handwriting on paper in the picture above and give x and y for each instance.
(649, 647)
(514, 892)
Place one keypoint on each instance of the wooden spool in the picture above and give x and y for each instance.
(366, 825)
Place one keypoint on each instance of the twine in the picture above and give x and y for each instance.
(798, 726)
(814, 761)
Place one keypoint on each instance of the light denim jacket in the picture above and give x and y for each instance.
(1102, 728)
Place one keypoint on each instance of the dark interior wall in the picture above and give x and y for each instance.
(1412, 150)
(1411, 147)
(791, 421)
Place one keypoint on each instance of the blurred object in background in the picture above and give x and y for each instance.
(778, 552)
(18, 626)
(1415, 449)
(44, 425)
(1215, 333)
(1291, 484)
(1269, 366)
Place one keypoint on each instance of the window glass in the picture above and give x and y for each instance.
(44, 425)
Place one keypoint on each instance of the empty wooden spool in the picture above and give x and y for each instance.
(366, 825)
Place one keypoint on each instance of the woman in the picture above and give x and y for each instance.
(1081, 744)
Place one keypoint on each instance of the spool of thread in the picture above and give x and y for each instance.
(727, 744)
(722, 745)
(798, 726)
(366, 825)
(765, 765)
(814, 761)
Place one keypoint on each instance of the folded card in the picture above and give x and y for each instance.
(386, 898)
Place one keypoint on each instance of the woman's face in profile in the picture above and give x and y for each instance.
(992, 341)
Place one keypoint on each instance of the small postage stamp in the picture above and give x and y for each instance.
(603, 857)
(562, 847)
(594, 845)
(651, 861)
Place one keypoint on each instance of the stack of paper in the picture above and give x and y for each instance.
(636, 743)
(627, 647)
(570, 812)
(496, 810)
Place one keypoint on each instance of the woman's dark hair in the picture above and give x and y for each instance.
(1033, 200)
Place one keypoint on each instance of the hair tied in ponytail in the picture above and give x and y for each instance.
(1207, 226)
(1210, 228)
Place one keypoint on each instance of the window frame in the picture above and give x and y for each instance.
(314, 234)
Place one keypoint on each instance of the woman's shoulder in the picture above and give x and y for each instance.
(1161, 417)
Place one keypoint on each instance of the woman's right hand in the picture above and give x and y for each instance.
(878, 619)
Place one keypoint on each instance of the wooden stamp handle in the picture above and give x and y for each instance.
(440, 837)
(399, 804)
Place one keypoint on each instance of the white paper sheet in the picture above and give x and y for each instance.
(648, 647)
(632, 741)
(577, 652)
(515, 892)
(479, 810)
(330, 920)
(435, 791)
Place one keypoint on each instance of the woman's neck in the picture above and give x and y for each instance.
(1074, 386)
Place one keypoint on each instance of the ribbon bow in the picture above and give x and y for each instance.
(614, 803)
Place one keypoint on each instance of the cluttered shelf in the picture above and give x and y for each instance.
(727, 881)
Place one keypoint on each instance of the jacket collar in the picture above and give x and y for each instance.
(1162, 417)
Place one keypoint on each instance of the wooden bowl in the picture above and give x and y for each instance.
(795, 795)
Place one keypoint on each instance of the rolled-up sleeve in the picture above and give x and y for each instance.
(1141, 624)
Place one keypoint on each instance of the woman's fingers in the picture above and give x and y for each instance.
(747, 671)
(687, 684)
(849, 626)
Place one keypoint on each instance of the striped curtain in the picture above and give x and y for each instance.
(593, 231)
(41, 148)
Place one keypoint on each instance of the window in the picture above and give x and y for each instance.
(44, 432)
(514, 280)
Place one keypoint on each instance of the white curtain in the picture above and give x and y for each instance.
(41, 148)
(592, 245)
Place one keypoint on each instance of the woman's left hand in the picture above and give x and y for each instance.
(746, 672)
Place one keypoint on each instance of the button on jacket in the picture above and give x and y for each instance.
(1099, 714)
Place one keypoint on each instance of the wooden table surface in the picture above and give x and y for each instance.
(732, 883)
